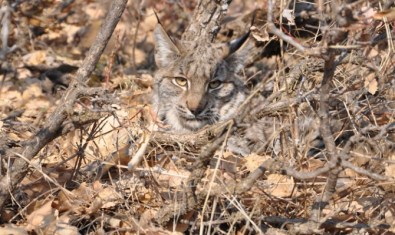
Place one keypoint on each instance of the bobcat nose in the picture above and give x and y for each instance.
(196, 106)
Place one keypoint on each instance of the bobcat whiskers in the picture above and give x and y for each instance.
(197, 83)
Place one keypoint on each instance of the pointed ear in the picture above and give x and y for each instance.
(238, 51)
(165, 50)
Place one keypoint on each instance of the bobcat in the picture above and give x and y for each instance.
(197, 82)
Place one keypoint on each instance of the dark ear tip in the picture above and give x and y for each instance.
(237, 43)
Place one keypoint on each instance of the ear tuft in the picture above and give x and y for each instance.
(165, 51)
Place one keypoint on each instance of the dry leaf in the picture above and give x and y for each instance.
(282, 185)
(35, 106)
(149, 22)
(114, 222)
(371, 83)
(71, 31)
(35, 58)
(390, 168)
(10, 98)
(147, 217)
(41, 217)
(368, 12)
(52, 35)
(107, 141)
(65, 229)
(95, 206)
(32, 91)
(253, 161)
(109, 197)
(11, 229)
(349, 174)
(389, 15)
(314, 164)
(261, 35)
(289, 15)
(389, 217)
(390, 173)
(140, 56)
(146, 80)
(372, 53)
(97, 186)
(96, 10)
(229, 162)
(171, 178)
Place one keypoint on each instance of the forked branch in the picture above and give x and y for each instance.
(53, 128)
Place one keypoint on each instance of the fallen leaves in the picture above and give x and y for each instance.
(388, 15)
(253, 161)
(371, 83)
(41, 218)
(261, 35)
(280, 185)
(12, 229)
(89, 199)
(128, 202)
(36, 58)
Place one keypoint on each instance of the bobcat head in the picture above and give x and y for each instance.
(197, 82)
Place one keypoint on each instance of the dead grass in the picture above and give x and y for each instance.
(263, 172)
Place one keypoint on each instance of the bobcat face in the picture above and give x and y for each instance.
(196, 84)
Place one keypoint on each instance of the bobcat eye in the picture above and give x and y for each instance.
(180, 81)
(214, 84)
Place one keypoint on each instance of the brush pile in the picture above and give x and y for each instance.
(311, 150)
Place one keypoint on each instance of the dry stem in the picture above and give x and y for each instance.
(53, 127)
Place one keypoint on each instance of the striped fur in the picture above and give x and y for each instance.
(210, 89)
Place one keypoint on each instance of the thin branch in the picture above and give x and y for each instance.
(53, 127)
(273, 29)
(325, 125)
(139, 155)
(372, 175)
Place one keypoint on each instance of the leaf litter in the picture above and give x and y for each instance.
(99, 195)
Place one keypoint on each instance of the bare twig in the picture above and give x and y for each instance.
(5, 13)
(372, 175)
(273, 29)
(46, 176)
(138, 156)
(53, 127)
(325, 130)
(191, 199)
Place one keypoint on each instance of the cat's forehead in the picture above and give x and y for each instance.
(201, 61)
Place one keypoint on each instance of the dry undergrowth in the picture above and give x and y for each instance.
(311, 151)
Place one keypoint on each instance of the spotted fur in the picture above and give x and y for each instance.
(199, 67)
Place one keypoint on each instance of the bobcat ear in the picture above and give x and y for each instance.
(238, 51)
(165, 51)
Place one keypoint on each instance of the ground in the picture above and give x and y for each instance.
(311, 150)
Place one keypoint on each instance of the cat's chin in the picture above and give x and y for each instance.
(183, 125)
(192, 125)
